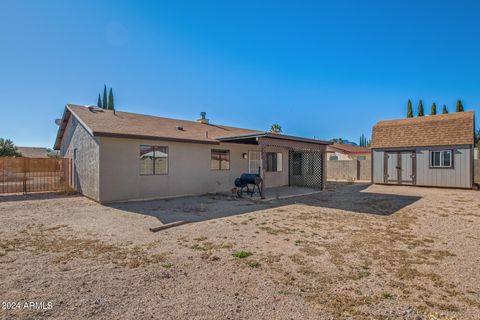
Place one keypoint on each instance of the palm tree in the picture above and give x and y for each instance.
(276, 128)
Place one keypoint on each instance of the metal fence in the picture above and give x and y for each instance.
(34, 174)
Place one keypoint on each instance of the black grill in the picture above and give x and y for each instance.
(248, 181)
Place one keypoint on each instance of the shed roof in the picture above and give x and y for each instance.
(438, 130)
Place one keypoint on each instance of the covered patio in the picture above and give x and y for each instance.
(305, 163)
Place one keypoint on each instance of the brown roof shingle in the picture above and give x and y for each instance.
(132, 125)
(33, 152)
(347, 148)
(438, 130)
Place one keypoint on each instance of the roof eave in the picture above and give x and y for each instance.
(273, 136)
(147, 137)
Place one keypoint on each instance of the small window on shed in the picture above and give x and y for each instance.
(361, 157)
(441, 159)
(333, 158)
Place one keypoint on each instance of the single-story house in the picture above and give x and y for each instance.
(33, 152)
(339, 151)
(120, 156)
(432, 151)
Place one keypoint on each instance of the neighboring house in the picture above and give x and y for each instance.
(425, 151)
(120, 156)
(33, 152)
(338, 151)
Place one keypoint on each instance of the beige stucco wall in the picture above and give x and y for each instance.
(345, 156)
(189, 170)
(85, 166)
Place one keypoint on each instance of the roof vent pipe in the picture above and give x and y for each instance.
(203, 118)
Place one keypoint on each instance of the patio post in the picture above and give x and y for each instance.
(264, 163)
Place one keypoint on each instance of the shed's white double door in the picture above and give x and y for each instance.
(400, 167)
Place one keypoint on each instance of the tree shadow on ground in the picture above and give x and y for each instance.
(353, 198)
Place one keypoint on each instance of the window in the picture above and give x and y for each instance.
(274, 162)
(361, 157)
(441, 159)
(333, 158)
(153, 160)
(220, 160)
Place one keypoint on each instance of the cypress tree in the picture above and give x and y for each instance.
(99, 102)
(110, 100)
(421, 113)
(434, 109)
(459, 106)
(105, 103)
(409, 109)
(445, 110)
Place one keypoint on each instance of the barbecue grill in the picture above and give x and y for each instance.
(248, 181)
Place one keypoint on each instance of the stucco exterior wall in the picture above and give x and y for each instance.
(460, 176)
(85, 163)
(346, 156)
(189, 170)
(349, 170)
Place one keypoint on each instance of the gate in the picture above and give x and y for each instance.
(306, 168)
(34, 174)
(400, 167)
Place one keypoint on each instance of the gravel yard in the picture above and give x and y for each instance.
(351, 252)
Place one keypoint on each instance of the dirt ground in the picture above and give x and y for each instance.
(351, 252)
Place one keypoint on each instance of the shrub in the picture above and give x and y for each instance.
(242, 254)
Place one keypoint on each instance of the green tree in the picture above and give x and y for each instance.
(110, 100)
(8, 149)
(421, 113)
(340, 141)
(409, 109)
(434, 109)
(459, 106)
(445, 110)
(105, 102)
(363, 141)
(276, 128)
(99, 101)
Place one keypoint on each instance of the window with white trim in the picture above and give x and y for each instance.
(441, 159)
(274, 162)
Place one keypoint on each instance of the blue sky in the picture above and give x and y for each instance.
(319, 68)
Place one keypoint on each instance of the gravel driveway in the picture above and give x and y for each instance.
(351, 252)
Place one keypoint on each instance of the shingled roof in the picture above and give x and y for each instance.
(438, 130)
(106, 123)
(347, 148)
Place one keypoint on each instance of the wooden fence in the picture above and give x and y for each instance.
(34, 174)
